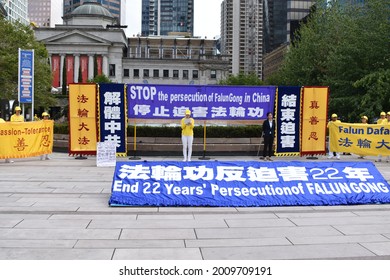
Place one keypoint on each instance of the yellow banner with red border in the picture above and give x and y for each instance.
(82, 119)
(314, 112)
(26, 139)
(360, 139)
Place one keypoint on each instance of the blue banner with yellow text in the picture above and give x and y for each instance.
(247, 183)
(288, 114)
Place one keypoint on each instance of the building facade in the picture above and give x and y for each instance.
(242, 35)
(83, 47)
(273, 60)
(3, 13)
(162, 17)
(174, 60)
(116, 7)
(16, 10)
(45, 12)
(281, 20)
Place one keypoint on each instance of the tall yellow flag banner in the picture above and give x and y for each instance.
(26, 139)
(360, 139)
(82, 119)
(314, 112)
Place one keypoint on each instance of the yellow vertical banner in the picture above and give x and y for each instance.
(26, 139)
(82, 119)
(314, 112)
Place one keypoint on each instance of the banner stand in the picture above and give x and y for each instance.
(312, 157)
(204, 143)
(135, 157)
(80, 157)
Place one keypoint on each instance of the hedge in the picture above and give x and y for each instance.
(247, 131)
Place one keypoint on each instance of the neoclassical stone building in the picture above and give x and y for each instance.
(90, 42)
(85, 45)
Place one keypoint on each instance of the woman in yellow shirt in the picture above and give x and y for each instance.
(17, 117)
(388, 122)
(335, 120)
(187, 135)
(381, 120)
(364, 121)
(45, 117)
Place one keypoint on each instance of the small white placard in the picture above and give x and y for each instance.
(106, 154)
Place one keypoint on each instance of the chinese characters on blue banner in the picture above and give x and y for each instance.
(369, 139)
(247, 184)
(288, 120)
(205, 102)
(113, 116)
(314, 116)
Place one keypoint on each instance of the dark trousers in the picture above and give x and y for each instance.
(268, 143)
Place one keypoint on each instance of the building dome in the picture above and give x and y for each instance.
(91, 9)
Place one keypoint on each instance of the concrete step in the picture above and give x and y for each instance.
(168, 144)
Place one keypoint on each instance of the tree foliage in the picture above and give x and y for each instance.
(345, 47)
(250, 79)
(15, 36)
(100, 79)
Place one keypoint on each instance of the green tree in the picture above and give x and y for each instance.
(15, 36)
(345, 47)
(100, 79)
(242, 79)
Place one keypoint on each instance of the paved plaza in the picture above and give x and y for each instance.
(58, 209)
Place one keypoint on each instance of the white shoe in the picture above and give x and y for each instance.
(184, 160)
(329, 157)
(189, 160)
(338, 157)
(8, 160)
(47, 157)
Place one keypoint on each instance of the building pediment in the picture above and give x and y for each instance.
(76, 37)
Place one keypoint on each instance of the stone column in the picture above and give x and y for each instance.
(90, 66)
(76, 68)
(62, 61)
(105, 65)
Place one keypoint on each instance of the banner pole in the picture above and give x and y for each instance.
(311, 157)
(135, 157)
(32, 86)
(204, 143)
